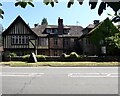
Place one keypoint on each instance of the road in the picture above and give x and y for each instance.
(60, 80)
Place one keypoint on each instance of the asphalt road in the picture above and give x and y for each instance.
(60, 80)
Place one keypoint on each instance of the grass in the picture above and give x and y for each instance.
(61, 64)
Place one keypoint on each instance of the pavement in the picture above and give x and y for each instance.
(60, 80)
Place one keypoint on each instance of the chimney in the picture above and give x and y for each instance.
(96, 22)
(60, 26)
(35, 25)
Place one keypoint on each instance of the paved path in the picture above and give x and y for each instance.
(60, 80)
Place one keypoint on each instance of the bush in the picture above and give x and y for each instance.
(26, 57)
(40, 57)
(74, 55)
(64, 55)
(8, 54)
(12, 54)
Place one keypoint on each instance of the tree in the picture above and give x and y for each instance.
(44, 21)
(113, 43)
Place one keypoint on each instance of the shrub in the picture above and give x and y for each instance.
(64, 55)
(8, 54)
(74, 55)
(40, 57)
(26, 57)
(12, 54)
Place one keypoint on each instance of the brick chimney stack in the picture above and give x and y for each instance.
(96, 22)
(60, 26)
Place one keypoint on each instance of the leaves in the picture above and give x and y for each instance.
(51, 2)
(102, 7)
(80, 1)
(114, 5)
(116, 19)
(1, 12)
(31, 4)
(93, 3)
(24, 3)
(114, 40)
(71, 2)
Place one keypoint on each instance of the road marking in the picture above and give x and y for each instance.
(93, 75)
(21, 74)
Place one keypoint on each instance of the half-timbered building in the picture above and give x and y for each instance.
(50, 40)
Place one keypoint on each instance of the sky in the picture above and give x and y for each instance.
(32, 15)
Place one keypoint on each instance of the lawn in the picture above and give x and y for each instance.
(62, 64)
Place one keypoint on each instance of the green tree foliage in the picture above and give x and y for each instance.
(114, 40)
(1, 12)
(24, 3)
(113, 44)
(104, 30)
(44, 21)
(109, 35)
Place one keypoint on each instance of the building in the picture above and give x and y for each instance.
(50, 40)
(94, 36)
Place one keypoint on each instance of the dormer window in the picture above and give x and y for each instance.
(48, 30)
(66, 31)
(56, 31)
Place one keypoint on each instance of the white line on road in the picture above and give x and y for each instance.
(21, 74)
(93, 75)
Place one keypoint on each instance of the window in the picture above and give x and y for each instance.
(43, 41)
(55, 41)
(55, 31)
(66, 42)
(87, 41)
(66, 31)
(13, 39)
(19, 39)
(48, 30)
(55, 53)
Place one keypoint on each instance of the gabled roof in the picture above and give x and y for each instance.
(15, 21)
(90, 26)
(97, 26)
(90, 32)
(38, 30)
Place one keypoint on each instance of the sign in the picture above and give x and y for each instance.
(103, 49)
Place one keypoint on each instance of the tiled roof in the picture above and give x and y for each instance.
(51, 26)
(91, 26)
(39, 29)
(74, 30)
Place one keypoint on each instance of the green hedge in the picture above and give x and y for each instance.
(73, 56)
(26, 57)
(39, 57)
